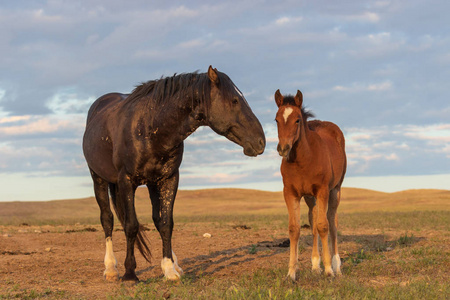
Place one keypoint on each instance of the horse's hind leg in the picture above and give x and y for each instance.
(312, 215)
(107, 219)
(293, 206)
(125, 205)
(333, 221)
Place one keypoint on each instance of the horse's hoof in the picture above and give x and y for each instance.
(130, 277)
(169, 269)
(172, 276)
(179, 270)
(111, 277)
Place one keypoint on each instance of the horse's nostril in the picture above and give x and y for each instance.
(262, 143)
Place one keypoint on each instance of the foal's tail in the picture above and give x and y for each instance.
(142, 240)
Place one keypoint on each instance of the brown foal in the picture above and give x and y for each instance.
(313, 167)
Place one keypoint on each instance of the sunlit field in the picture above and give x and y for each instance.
(392, 246)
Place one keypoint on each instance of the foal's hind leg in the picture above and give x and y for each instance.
(293, 206)
(323, 228)
(333, 221)
(312, 214)
(101, 195)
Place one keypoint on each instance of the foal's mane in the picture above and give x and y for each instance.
(307, 114)
(194, 85)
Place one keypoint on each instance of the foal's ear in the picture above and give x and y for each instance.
(212, 74)
(278, 98)
(298, 99)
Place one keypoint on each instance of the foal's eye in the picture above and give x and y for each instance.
(298, 121)
(235, 101)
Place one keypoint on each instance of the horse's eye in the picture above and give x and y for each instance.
(235, 101)
(298, 121)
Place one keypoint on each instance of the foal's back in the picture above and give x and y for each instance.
(333, 138)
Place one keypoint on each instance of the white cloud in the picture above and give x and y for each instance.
(360, 87)
(287, 20)
(35, 125)
(367, 16)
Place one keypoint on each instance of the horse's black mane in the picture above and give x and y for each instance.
(193, 85)
(289, 99)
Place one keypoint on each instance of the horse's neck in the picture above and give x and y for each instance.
(171, 123)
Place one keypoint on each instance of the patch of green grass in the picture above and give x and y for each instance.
(33, 294)
(412, 221)
(273, 284)
(252, 249)
(405, 240)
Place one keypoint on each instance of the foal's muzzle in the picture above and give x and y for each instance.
(284, 150)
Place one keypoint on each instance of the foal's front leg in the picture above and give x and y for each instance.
(162, 196)
(312, 215)
(293, 206)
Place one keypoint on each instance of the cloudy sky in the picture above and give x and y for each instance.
(378, 69)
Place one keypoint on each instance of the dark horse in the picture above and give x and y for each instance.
(136, 139)
(313, 167)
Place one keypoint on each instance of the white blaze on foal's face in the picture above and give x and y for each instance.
(287, 112)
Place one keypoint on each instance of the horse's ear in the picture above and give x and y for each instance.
(278, 98)
(212, 74)
(298, 99)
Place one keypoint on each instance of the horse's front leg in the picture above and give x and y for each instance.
(293, 206)
(125, 206)
(163, 196)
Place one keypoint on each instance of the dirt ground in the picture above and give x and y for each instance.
(68, 260)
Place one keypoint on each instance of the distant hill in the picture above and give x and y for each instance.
(219, 202)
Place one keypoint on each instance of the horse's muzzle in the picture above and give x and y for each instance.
(255, 149)
(284, 150)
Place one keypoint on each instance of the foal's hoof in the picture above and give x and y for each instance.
(291, 276)
(329, 272)
(130, 277)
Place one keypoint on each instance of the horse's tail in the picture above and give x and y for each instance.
(142, 240)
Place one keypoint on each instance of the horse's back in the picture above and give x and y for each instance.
(329, 131)
(104, 102)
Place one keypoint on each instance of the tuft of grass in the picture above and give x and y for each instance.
(252, 249)
(405, 240)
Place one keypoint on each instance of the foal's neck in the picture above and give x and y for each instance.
(303, 149)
